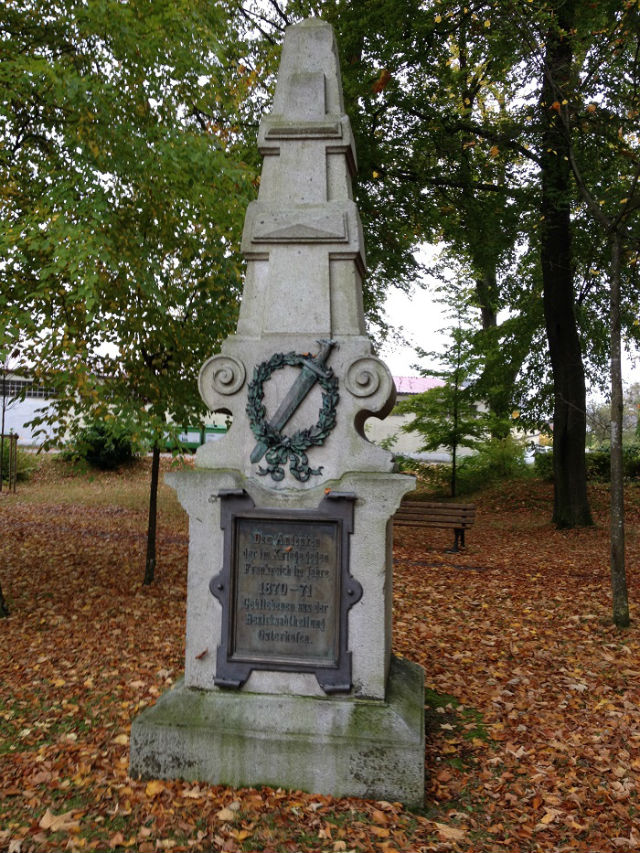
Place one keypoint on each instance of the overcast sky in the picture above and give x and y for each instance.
(422, 321)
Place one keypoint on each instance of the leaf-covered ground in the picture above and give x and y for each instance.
(533, 697)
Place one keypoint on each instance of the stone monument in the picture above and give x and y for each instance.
(289, 677)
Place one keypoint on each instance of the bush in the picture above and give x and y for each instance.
(598, 463)
(496, 459)
(543, 465)
(430, 477)
(105, 444)
(631, 460)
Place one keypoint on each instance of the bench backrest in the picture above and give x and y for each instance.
(436, 514)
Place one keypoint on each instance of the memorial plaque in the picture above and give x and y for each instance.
(285, 590)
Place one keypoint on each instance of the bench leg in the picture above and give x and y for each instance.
(458, 541)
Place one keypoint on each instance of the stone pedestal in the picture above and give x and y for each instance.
(344, 746)
(289, 678)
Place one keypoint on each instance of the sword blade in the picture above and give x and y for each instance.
(305, 381)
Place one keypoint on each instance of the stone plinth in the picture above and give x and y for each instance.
(340, 746)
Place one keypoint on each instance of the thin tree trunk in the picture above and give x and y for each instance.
(4, 409)
(453, 470)
(4, 609)
(618, 571)
(571, 504)
(150, 566)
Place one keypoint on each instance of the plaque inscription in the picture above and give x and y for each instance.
(285, 590)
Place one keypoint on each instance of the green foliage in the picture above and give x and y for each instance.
(123, 200)
(446, 416)
(543, 466)
(598, 462)
(493, 461)
(104, 444)
(26, 464)
(449, 415)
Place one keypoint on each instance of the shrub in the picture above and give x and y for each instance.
(104, 444)
(430, 477)
(543, 465)
(598, 463)
(496, 459)
(631, 460)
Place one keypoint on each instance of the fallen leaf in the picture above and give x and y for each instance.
(193, 793)
(59, 823)
(154, 787)
(380, 831)
(450, 833)
(226, 814)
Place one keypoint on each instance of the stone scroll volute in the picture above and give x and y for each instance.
(369, 381)
(221, 377)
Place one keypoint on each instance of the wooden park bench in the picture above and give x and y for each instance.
(436, 514)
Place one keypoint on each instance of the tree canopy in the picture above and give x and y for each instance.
(122, 200)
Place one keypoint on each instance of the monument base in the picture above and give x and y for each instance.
(337, 746)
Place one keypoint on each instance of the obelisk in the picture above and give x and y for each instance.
(289, 677)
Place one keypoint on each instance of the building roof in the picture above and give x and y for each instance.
(416, 384)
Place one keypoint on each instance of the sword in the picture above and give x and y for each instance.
(312, 368)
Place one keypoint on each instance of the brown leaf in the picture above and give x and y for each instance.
(450, 833)
(59, 823)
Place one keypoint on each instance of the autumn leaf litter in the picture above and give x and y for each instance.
(533, 697)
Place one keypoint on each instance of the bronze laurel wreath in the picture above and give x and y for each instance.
(283, 448)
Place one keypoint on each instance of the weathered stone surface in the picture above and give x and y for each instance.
(341, 747)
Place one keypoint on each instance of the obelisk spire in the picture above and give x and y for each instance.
(305, 262)
(305, 225)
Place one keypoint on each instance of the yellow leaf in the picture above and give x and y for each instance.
(154, 787)
(122, 740)
(59, 682)
(380, 831)
(487, 23)
(241, 834)
(549, 817)
(494, 151)
(438, 18)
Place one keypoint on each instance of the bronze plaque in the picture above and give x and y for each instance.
(286, 598)
(285, 590)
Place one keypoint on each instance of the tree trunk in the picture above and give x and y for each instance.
(4, 409)
(571, 504)
(4, 609)
(618, 571)
(150, 566)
